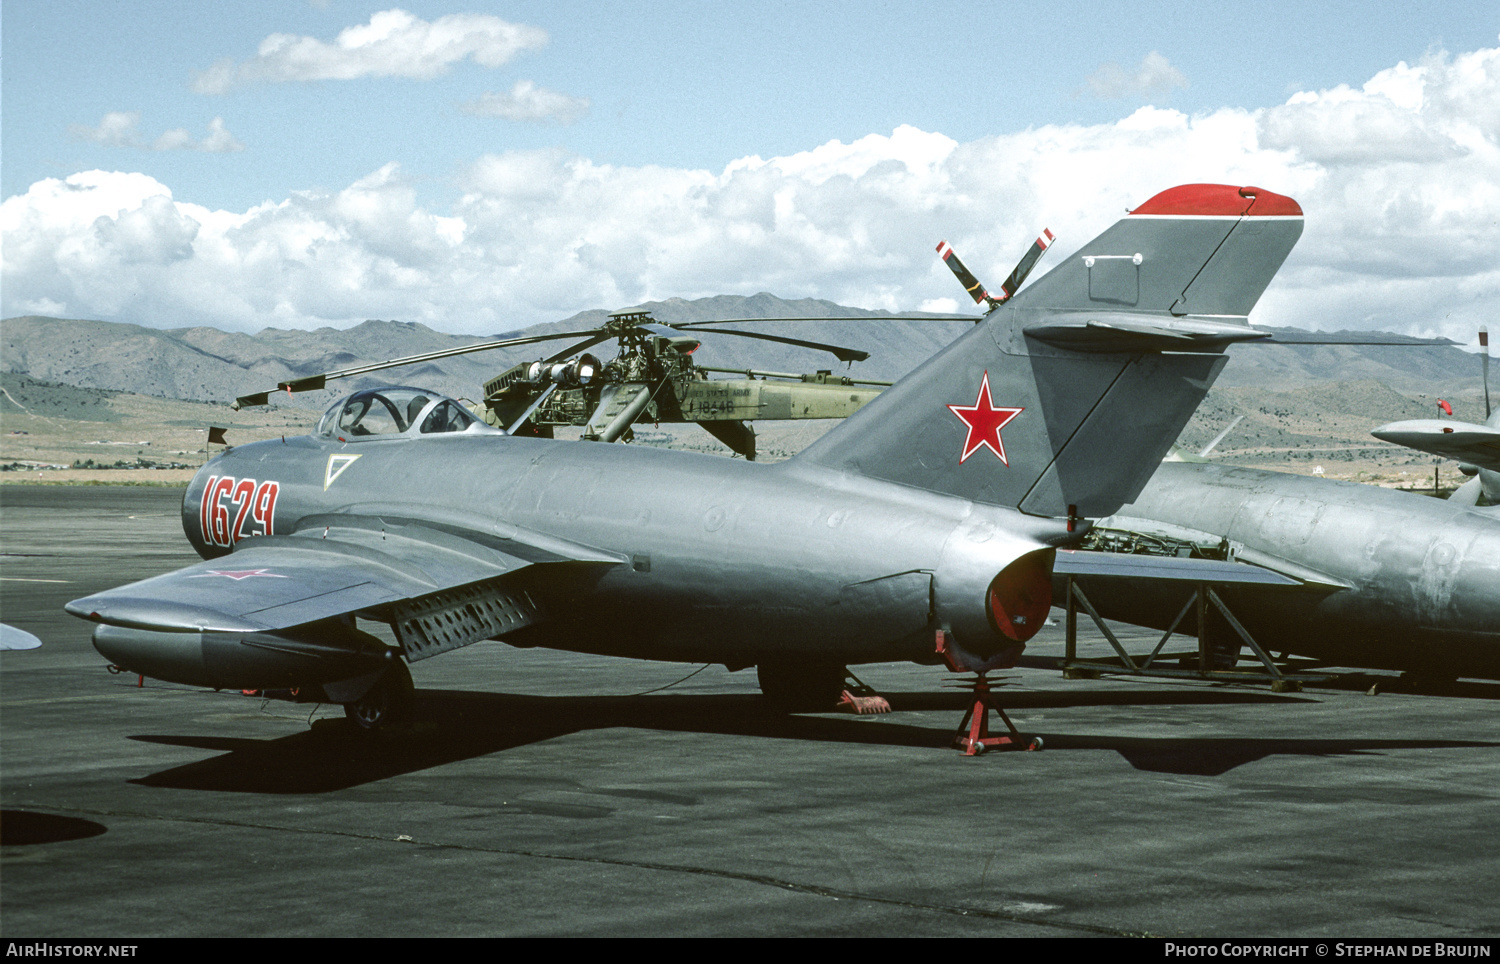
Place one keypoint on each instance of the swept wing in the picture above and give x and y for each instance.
(438, 590)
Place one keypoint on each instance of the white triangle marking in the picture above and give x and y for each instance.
(336, 466)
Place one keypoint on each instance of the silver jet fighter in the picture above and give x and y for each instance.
(936, 508)
(1389, 580)
(1477, 447)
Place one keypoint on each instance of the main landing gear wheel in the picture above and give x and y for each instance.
(388, 703)
(802, 687)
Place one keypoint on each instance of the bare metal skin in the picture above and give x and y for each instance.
(1396, 580)
(737, 560)
(937, 507)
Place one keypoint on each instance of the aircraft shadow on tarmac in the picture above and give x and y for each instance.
(333, 755)
(25, 827)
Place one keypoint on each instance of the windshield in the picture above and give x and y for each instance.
(388, 412)
(447, 417)
(384, 411)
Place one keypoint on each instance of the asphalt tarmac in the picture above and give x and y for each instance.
(549, 793)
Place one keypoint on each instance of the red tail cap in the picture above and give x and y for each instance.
(1220, 200)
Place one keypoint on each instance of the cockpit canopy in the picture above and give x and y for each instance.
(397, 411)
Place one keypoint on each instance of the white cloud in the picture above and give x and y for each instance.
(393, 44)
(1408, 176)
(1402, 237)
(1435, 111)
(528, 102)
(121, 129)
(1152, 77)
(117, 129)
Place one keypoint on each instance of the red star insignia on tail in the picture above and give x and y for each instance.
(985, 422)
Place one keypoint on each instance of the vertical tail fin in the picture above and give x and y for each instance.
(1063, 401)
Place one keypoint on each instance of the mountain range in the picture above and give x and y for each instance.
(207, 364)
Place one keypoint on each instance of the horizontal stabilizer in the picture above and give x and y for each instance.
(1173, 568)
(1280, 336)
(1156, 529)
(1464, 441)
(12, 638)
(1093, 332)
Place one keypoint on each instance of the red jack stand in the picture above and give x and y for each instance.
(973, 734)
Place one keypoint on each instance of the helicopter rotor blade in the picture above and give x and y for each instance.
(591, 337)
(839, 352)
(572, 350)
(964, 275)
(252, 400)
(1484, 355)
(1012, 284)
(314, 382)
(689, 326)
(1018, 276)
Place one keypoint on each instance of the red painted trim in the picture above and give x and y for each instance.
(1220, 200)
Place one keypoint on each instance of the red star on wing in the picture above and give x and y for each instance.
(985, 422)
(238, 574)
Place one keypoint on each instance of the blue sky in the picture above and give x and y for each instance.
(643, 101)
(693, 84)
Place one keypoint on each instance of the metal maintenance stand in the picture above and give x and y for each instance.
(973, 734)
(1283, 678)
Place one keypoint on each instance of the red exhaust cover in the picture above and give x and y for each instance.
(1021, 596)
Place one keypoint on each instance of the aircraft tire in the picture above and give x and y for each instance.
(388, 703)
(801, 687)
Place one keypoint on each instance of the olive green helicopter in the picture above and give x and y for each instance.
(653, 376)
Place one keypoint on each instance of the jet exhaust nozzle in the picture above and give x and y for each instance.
(1020, 597)
(989, 612)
